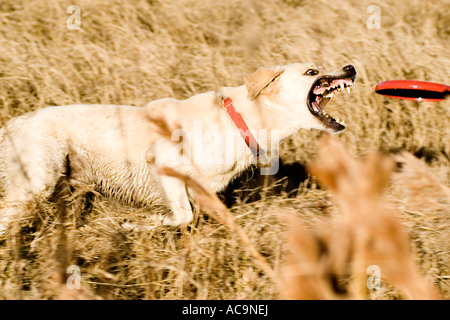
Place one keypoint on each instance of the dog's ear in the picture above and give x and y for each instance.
(260, 79)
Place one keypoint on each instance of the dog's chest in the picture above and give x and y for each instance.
(220, 175)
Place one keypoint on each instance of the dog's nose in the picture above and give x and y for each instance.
(349, 68)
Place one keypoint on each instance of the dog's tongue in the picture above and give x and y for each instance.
(319, 90)
(316, 107)
(320, 102)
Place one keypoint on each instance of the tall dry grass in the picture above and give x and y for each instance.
(132, 52)
(333, 261)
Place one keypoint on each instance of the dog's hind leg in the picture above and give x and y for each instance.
(13, 205)
(18, 197)
(25, 182)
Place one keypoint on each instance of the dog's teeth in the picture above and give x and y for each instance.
(348, 89)
(342, 86)
(340, 121)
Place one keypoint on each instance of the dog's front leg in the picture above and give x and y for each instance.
(163, 154)
(178, 201)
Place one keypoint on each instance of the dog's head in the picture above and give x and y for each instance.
(301, 91)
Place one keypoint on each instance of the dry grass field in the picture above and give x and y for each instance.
(338, 204)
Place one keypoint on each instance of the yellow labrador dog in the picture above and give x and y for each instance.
(118, 149)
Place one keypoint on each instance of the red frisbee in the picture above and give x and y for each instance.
(413, 90)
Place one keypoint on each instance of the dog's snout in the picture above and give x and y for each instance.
(349, 68)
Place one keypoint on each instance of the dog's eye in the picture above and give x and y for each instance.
(311, 72)
(275, 78)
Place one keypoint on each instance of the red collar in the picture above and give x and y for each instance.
(243, 128)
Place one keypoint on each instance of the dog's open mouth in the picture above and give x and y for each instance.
(322, 91)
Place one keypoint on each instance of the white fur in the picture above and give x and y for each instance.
(117, 148)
